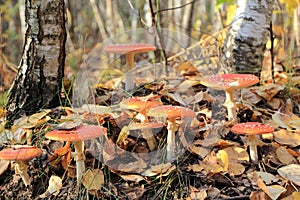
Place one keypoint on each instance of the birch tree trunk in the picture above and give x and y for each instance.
(38, 82)
(247, 36)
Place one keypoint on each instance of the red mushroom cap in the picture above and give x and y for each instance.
(84, 132)
(229, 81)
(252, 128)
(137, 126)
(138, 104)
(20, 153)
(171, 112)
(126, 48)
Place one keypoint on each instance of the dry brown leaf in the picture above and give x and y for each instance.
(284, 156)
(62, 155)
(260, 183)
(235, 169)
(291, 172)
(96, 109)
(3, 166)
(163, 169)
(287, 137)
(133, 167)
(223, 159)
(195, 168)
(267, 177)
(275, 103)
(274, 191)
(186, 85)
(237, 154)
(135, 193)
(93, 179)
(286, 119)
(55, 184)
(123, 135)
(66, 160)
(196, 194)
(268, 91)
(132, 177)
(35, 118)
(214, 163)
(199, 150)
(258, 195)
(296, 195)
(69, 122)
(187, 69)
(249, 96)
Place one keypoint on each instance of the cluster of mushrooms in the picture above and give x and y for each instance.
(146, 109)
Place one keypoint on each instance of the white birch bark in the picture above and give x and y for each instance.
(38, 82)
(247, 36)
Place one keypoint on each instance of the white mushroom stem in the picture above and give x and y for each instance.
(231, 106)
(79, 158)
(252, 142)
(172, 128)
(21, 169)
(129, 77)
(147, 133)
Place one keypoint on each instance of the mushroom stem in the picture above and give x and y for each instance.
(79, 158)
(230, 105)
(130, 60)
(21, 169)
(147, 133)
(129, 77)
(253, 148)
(172, 128)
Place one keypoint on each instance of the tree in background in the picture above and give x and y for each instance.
(41, 69)
(247, 36)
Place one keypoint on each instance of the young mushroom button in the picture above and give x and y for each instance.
(229, 83)
(129, 50)
(251, 129)
(77, 137)
(19, 154)
(171, 113)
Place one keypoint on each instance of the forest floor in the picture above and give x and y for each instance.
(211, 161)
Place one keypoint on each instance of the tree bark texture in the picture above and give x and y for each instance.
(38, 82)
(247, 36)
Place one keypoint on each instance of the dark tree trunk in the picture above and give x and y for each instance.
(247, 36)
(38, 82)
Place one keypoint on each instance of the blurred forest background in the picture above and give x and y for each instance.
(91, 22)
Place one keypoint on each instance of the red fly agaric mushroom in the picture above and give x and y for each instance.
(19, 154)
(129, 50)
(171, 113)
(141, 105)
(77, 137)
(137, 126)
(251, 129)
(229, 83)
